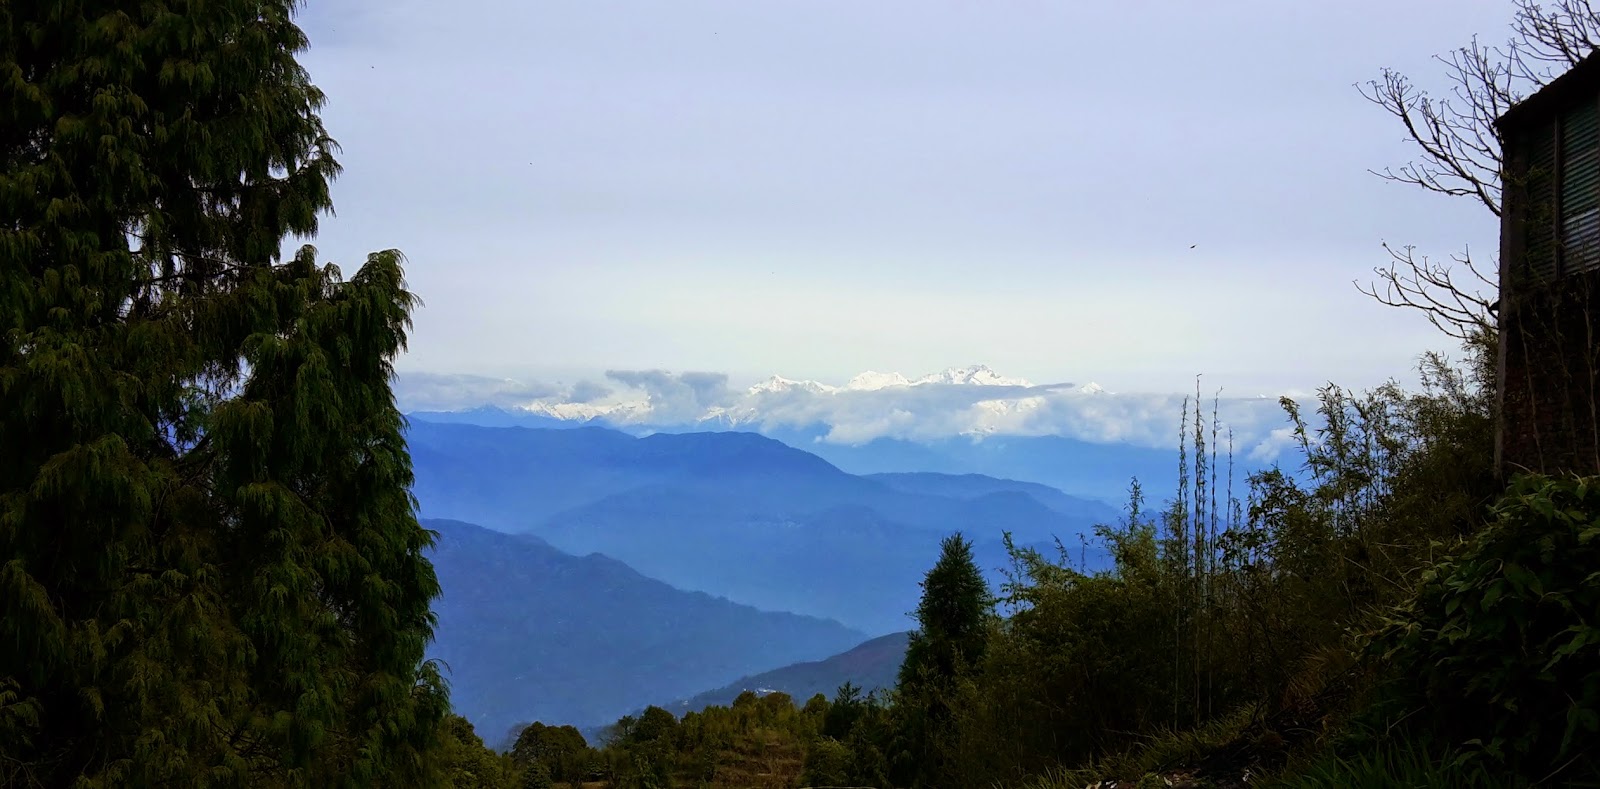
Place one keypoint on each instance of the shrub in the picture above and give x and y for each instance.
(827, 763)
(1499, 652)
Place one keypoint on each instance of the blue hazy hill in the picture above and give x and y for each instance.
(873, 665)
(733, 514)
(529, 632)
(1076, 467)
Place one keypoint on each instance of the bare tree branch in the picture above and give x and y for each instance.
(1461, 311)
(1455, 133)
(1560, 36)
(1459, 149)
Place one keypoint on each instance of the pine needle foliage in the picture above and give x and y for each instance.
(211, 573)
(954, 619)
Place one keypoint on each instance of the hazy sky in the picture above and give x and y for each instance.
(822, 187)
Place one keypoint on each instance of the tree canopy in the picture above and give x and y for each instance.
(213, 574)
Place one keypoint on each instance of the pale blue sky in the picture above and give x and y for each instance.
(822, 187)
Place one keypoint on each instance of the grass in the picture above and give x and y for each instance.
(1400, 765)
(1162, 756)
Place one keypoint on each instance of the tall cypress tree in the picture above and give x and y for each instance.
(211, 573)
(953, 619)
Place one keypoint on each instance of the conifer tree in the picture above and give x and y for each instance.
(952, 616)
(211, 573)
(953, 619)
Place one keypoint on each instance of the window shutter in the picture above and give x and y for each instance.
(1580, 188)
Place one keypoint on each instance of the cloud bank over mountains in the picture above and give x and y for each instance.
(966, 401)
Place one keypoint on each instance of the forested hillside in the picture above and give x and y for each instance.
(870, 666)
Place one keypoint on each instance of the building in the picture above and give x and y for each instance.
(1550, 278)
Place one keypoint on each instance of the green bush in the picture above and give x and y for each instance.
(1500, 650)
(827, 763)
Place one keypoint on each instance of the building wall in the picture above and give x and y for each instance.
(1550, 374)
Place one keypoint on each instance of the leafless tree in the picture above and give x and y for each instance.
(1458, 149)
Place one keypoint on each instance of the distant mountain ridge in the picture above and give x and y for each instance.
(1083, 469)
(529, 632)
(973, 403)
(555, 471)
(979, 486)
(870, 666)
(734, 514)
(1078, 468)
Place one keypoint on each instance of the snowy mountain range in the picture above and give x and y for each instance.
(973, 401)
(639, 409)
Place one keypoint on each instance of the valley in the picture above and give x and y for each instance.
(585, 569)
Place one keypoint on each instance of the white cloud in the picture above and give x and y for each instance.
(435, 392)
(1277, 441)
(675, 397)
(920, 409)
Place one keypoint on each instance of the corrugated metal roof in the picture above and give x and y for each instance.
(1580, 80)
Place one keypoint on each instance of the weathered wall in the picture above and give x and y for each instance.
(1549, 418)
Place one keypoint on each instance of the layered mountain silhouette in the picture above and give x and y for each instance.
(1080, 468)
(529, 632)
(870, 666)
(735, 514)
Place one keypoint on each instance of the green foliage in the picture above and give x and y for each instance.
(536, 776)
(212, 571)
(560, 753)
(1249, 624)
(1221, 637)
(872, 742)
(467, 764)
(759, 741)
(827, 763)
(1499, 651)
(1489, 655)
(816, 712)
(954, 617)
(1083, 659)
(844, 712)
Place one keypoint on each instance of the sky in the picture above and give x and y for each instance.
(1127, 193)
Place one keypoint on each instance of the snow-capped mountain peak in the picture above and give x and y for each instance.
(753, 402)
(582, 412)
(778, 383)
(973, 401)
(975, 375)
(871, 381)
